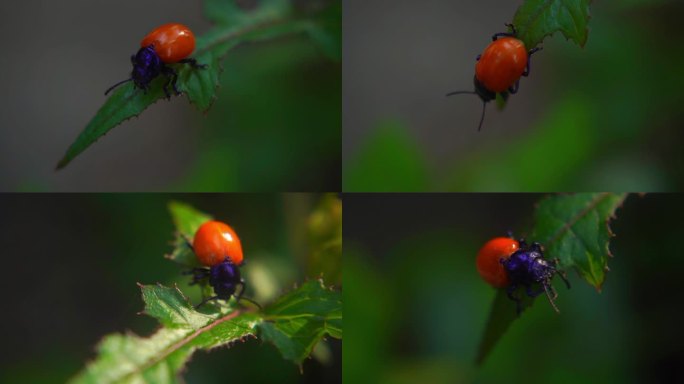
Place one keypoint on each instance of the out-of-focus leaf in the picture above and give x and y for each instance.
(390, 160)
(542, 159)
(325, 233)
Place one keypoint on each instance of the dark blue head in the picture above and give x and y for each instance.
(528, 267)
(146, 66)
(225, 278)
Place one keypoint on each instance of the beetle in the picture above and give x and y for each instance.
(508, 263)
(499, 68)
(168, 44)
(218, 248)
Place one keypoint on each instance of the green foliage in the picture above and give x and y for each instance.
(298, 320)
(560, 144)
(271, 19)
(389, 161)
(187, 220)
(536, 19)
(294, 323)
(159, 358)
(325, 234)
(573, 228)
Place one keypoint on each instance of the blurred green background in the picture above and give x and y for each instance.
(416, 308)
(275, 125)
(72, 263)
(604, 117)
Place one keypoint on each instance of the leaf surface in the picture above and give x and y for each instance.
(536, 19)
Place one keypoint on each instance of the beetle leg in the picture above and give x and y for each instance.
(193, 63)
(564, 276)
(513, 89)
(513, 32)
(478, 57)
(529, 55)
(205, 301)
(509, 292)
(531, 293)
(548, 295)
(501, 34)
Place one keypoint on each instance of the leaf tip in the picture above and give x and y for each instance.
(62, 163)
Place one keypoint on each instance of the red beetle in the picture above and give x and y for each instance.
(489, 260)
(499, 68)
(215, 242)
(167, 44)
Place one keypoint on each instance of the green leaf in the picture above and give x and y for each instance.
(500, 318)
(301, 318)
(575, 229)
(171, 308)
(187, 220)
(294, 324)
(269, 20)
(536, 19)
(125, 103)
(127, 358)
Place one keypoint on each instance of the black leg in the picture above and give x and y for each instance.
(513, 32)
(198, 275)
(242, 290)
(563, 276)
(241, 297)
(187, 242)
(509, 292)
(205, 301)
(529, 56)
(193, 63)
(478, 57)
(531, 293)
(172, 76)
(513, 89)
(166, 91)
(501, 34)
(536, 247)
(512, 27)
(548, 295)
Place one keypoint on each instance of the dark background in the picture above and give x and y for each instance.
(72, 263)
(417, 307)
(275, 125)
(604, 117)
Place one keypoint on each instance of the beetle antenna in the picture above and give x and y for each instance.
(461, 93)
(117, 84)
(484, 107)
(484, 104)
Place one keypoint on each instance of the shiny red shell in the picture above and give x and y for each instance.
(489, 260)
(214, 242)
(501, 64)
(172, 42)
